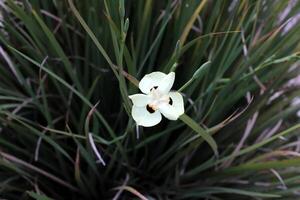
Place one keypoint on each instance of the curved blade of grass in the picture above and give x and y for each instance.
(98, 45)
(37, 196)
(190, 23)
(278, 164)
(45, 137)
(157, 39)
(58, 49)
(69, 87)
(243, 151)
(36, 169)
(204, 134)
(221, 190)
(91, 34)
(122, 83)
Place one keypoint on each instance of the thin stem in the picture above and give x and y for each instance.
(186, 85)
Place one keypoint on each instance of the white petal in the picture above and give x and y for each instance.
(172, 112)
(177, 102)
(166, 83)
(151, 80)
(144, 118)
(140, 99)
(168, 111)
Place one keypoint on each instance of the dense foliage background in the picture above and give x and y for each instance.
(67, 69)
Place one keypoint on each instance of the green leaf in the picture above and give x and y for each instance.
(38, 196)
(203, 133)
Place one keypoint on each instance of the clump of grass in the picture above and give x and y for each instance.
(67, 69)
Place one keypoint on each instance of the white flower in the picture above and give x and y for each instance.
(156, 100)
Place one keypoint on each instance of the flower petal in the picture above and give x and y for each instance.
(140, 99)
(144, 118)
(166, 83)
(177, 102)
(151, 80)
(168, 111)
(174, 110)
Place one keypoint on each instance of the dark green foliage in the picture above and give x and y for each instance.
(61, 84)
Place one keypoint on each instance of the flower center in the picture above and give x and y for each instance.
(157, 99)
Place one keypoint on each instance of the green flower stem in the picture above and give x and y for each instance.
(197, 75)
(186, 85)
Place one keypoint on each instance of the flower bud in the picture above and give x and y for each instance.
(126, 25)
(200, 71)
